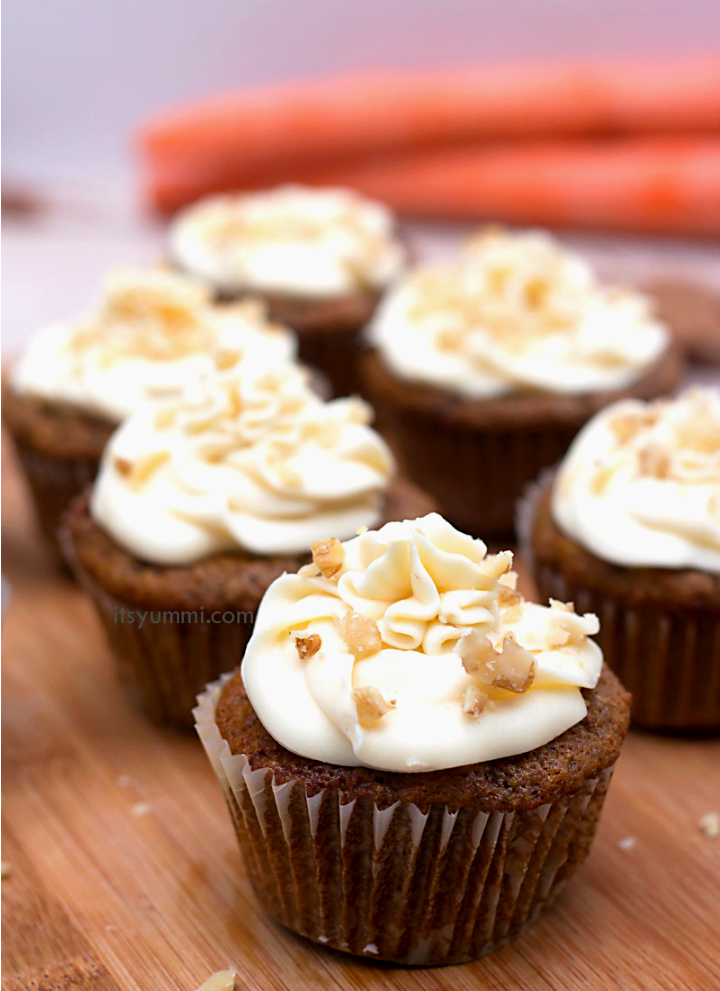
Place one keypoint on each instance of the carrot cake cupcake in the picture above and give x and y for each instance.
(629, 527)
(320, 258)
(201, 501)
(151, 333)
(415, 757)
(485, 369)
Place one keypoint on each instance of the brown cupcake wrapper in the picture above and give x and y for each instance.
(335, 353)
(431, 887)
(164, 664)
(476, 476)
(669, 660)
(53, 484)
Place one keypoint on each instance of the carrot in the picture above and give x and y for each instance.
(251, 138)
(664, 186)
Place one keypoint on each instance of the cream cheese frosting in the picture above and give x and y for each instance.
(640, 485)
(245, 459)
(151, 334)
(291, 240)
(408, 649)
(517, 312)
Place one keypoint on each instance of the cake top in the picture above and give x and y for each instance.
(246, 459)
(292, 240)
(640, 485)
(409, 649)
(517, 312)
(150, 334)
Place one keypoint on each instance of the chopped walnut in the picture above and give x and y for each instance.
(508, 596)
(565, 606)
(360, 634)
(328, 556)
(226, 359)
(654, 461)
(223, 980)
(710, 825)
(139, 471)
(309, 571)
(474, 700)
(625, 427)
(370, 704)
(307, 646)
(512, 667)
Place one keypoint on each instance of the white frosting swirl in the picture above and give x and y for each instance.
(516, 313)
(152, 333)
(425, 586)
(640, 485)
(245, 459)
(290, 240)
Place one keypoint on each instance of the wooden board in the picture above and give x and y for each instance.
(99, 897)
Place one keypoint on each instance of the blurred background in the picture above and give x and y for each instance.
(80, 76)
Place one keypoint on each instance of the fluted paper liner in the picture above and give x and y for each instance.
(53, 483)
(425, 887)
(669, 660)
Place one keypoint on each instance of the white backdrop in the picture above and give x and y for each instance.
(78, 74)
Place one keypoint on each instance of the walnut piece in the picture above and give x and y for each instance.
(226, 359)
(512, 667)
(360, 634)
(223, 980)
(508, 596)
(328, 555)
(565, 606)
(654, 461)
(474, 699)
(307, 646)
(370, 704)
(142, 468)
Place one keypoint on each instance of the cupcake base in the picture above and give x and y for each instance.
(425, 873)
(59, 450)
(659, 628)
(477, 456)
(174, 629)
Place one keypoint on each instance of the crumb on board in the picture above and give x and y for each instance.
(710, 825)
(627, 843)
(5, 869)
(223, 980)
(140, 809)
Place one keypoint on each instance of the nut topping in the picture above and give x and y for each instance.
(370, 704)
(512, 667)
(307, 646)
(328, 556)
(360, 634)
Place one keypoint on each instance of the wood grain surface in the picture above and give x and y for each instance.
(124, 874)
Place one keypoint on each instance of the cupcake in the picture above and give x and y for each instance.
(201, 502)
(415, 758)
(629, 527)
(320, 258)
(151, 333)
(484, 370)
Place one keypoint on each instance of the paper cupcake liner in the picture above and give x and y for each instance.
(53, 484)
(335, 352)
(475, 475)
(669, 660)
(165, 663)
(431, 887)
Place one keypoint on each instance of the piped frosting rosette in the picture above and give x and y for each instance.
(151, 334)
(409, 649)
(248, 459)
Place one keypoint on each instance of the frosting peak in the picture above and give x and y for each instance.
(293, 239)
(151, 333)
(247, 458)
(640, 485)
(517, 312)
(414, 652)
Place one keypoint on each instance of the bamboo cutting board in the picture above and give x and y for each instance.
(124, 874)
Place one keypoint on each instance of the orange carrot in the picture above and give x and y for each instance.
(664, 186)
(255, 137)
